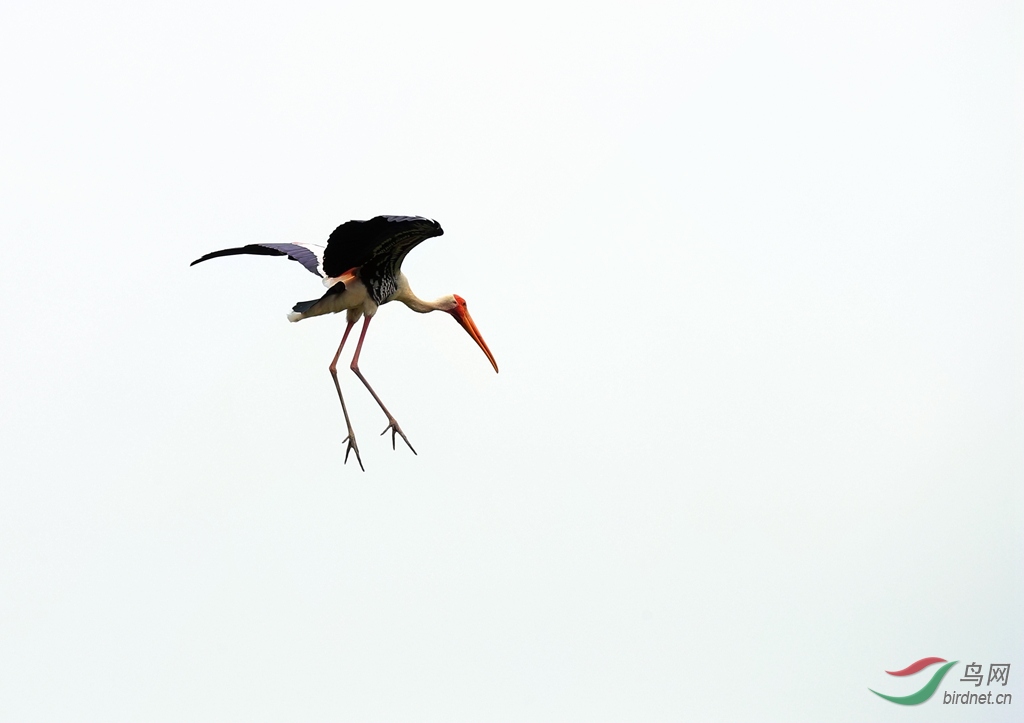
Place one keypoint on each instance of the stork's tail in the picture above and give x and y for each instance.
(300, 309)
(329, 303)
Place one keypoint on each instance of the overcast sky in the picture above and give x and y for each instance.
(754, 277)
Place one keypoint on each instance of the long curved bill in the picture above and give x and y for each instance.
(466, 322)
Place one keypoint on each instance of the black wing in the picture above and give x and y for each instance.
(309, 255)
(378, 246)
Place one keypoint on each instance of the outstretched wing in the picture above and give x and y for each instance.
(377, 246)
(309, 255)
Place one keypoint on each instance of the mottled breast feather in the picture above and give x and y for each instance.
(377, 248)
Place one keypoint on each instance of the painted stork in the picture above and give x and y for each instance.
(361, 268)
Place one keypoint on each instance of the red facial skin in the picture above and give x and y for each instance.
(461, 315)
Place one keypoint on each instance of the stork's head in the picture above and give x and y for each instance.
(456, 306)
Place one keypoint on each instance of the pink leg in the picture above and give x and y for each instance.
(351, 439)
(392, 424)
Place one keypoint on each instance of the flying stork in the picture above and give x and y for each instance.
(361, 268)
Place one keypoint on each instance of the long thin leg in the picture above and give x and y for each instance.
(392, 423)
(351, 438)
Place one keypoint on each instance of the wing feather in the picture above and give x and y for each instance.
(309, 255)
(378, 246)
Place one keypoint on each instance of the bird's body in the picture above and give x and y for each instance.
(361, 268)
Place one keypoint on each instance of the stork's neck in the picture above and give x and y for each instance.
(421, 306)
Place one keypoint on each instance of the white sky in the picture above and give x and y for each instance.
(753, 273)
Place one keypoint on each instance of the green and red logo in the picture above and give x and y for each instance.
(929, 688)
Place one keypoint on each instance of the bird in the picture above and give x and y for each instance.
(361, 266)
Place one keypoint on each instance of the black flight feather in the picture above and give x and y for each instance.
(377, 246)
(308, 256)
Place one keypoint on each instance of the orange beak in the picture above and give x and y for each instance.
(462, 316)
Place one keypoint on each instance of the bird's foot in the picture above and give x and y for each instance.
(350, 441)
(395, 429)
